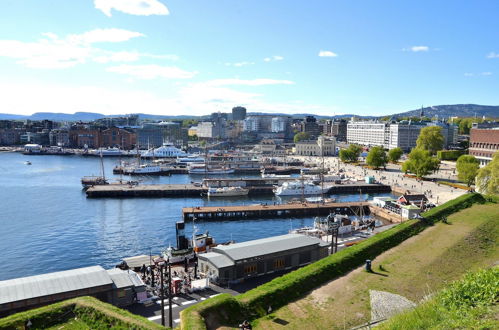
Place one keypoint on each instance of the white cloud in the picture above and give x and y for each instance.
(493, 55)
(102, 35)
(327, 53)
(247, 82)
(274, 58)
(471, 74)
(239, 64)
(487, 73)
(53, 52)
(416, 49)
(468, 74)
(132, 7)
(151, 71)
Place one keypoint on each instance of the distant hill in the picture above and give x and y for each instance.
(455, 110)
(443, 111)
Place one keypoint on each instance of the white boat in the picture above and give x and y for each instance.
(142, 169)
(109, 152)
(296, 188)
(27, 162)
(275, 176)
(227, 192)
(167, 150)
(202, 169)
(177, 256)
(189, 160)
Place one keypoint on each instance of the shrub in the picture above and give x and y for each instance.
(449, 154)
(455, 185)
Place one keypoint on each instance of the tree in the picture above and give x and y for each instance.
(395, 154)
(301, 137)
(467, 168)
(487, 180)
(376, 157)
(430, 138)
(346, 155)
(420, 163)
(351, 154)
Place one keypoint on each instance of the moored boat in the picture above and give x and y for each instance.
(227, 192)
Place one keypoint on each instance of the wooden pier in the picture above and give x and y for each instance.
(221, 213)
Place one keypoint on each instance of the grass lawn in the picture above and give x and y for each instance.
(73, 324)
(420, 266)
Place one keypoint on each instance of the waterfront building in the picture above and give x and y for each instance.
(36, 137)
(155, 134)
(240, 261)
(279, 124)
(11, 136)
(59, 137)
(115, 286)
(321, 147)
(484, 143)
(118, 137)
(84, 138)
(238, 113)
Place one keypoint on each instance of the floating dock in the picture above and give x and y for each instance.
(272, 211)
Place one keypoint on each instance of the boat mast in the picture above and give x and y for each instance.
(102, 166)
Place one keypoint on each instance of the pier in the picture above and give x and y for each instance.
(159, 190)
(272, 211)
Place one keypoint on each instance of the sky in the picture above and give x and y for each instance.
(178, 57)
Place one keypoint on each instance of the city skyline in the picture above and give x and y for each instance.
(176, 58)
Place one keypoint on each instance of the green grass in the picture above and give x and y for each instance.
(420, 266)
(78, 313)
(471, 303)
(229, 311)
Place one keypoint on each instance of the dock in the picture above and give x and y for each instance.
(159, 190)
(215, 213)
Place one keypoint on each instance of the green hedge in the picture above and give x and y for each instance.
(282, 290)
(449, 154)
(95, 313)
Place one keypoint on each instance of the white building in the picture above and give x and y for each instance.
(403, 135)
(367, 133)
(321, 147)
(251, 124)
(279, 124)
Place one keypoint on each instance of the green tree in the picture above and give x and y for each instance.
(430, 138)
(356, 150)
(346, 155)
(395, 154)
(376, 157)
(487, 179)
(420, 163)
(467, 168)
(301, 137)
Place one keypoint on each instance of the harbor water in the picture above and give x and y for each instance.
(47, 224)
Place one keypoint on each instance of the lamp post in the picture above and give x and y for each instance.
(170, 315)
(162, 267)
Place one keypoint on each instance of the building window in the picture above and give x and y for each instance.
(250, 269)
(278, 263)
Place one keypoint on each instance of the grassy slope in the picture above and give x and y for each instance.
(419, 266)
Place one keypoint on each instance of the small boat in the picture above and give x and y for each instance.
(296, 188)
(203, 169)
(178, 255)
(227, 192)
(27, 162)
(89, 181)
(142, 169)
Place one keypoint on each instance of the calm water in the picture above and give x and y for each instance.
(47, 224)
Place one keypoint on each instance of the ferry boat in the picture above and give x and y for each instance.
(105, 152)
(227, 192)
(142, 169)
(203, 169)
(190, 160)
(296, 188)
(167, 150)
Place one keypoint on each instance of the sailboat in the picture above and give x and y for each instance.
(90, 181)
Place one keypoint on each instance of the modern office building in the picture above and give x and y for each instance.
(155, 134)
(368, 133)
(309, 125)
(279, 124)
(238, 113)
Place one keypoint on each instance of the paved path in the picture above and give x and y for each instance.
(435, 192)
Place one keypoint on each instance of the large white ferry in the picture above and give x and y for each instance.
(106, 152)
(227, 192)
(296, 188)
(193, 159)
(142, 169)
(167, 150)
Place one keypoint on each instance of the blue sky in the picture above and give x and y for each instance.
(175, 57)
